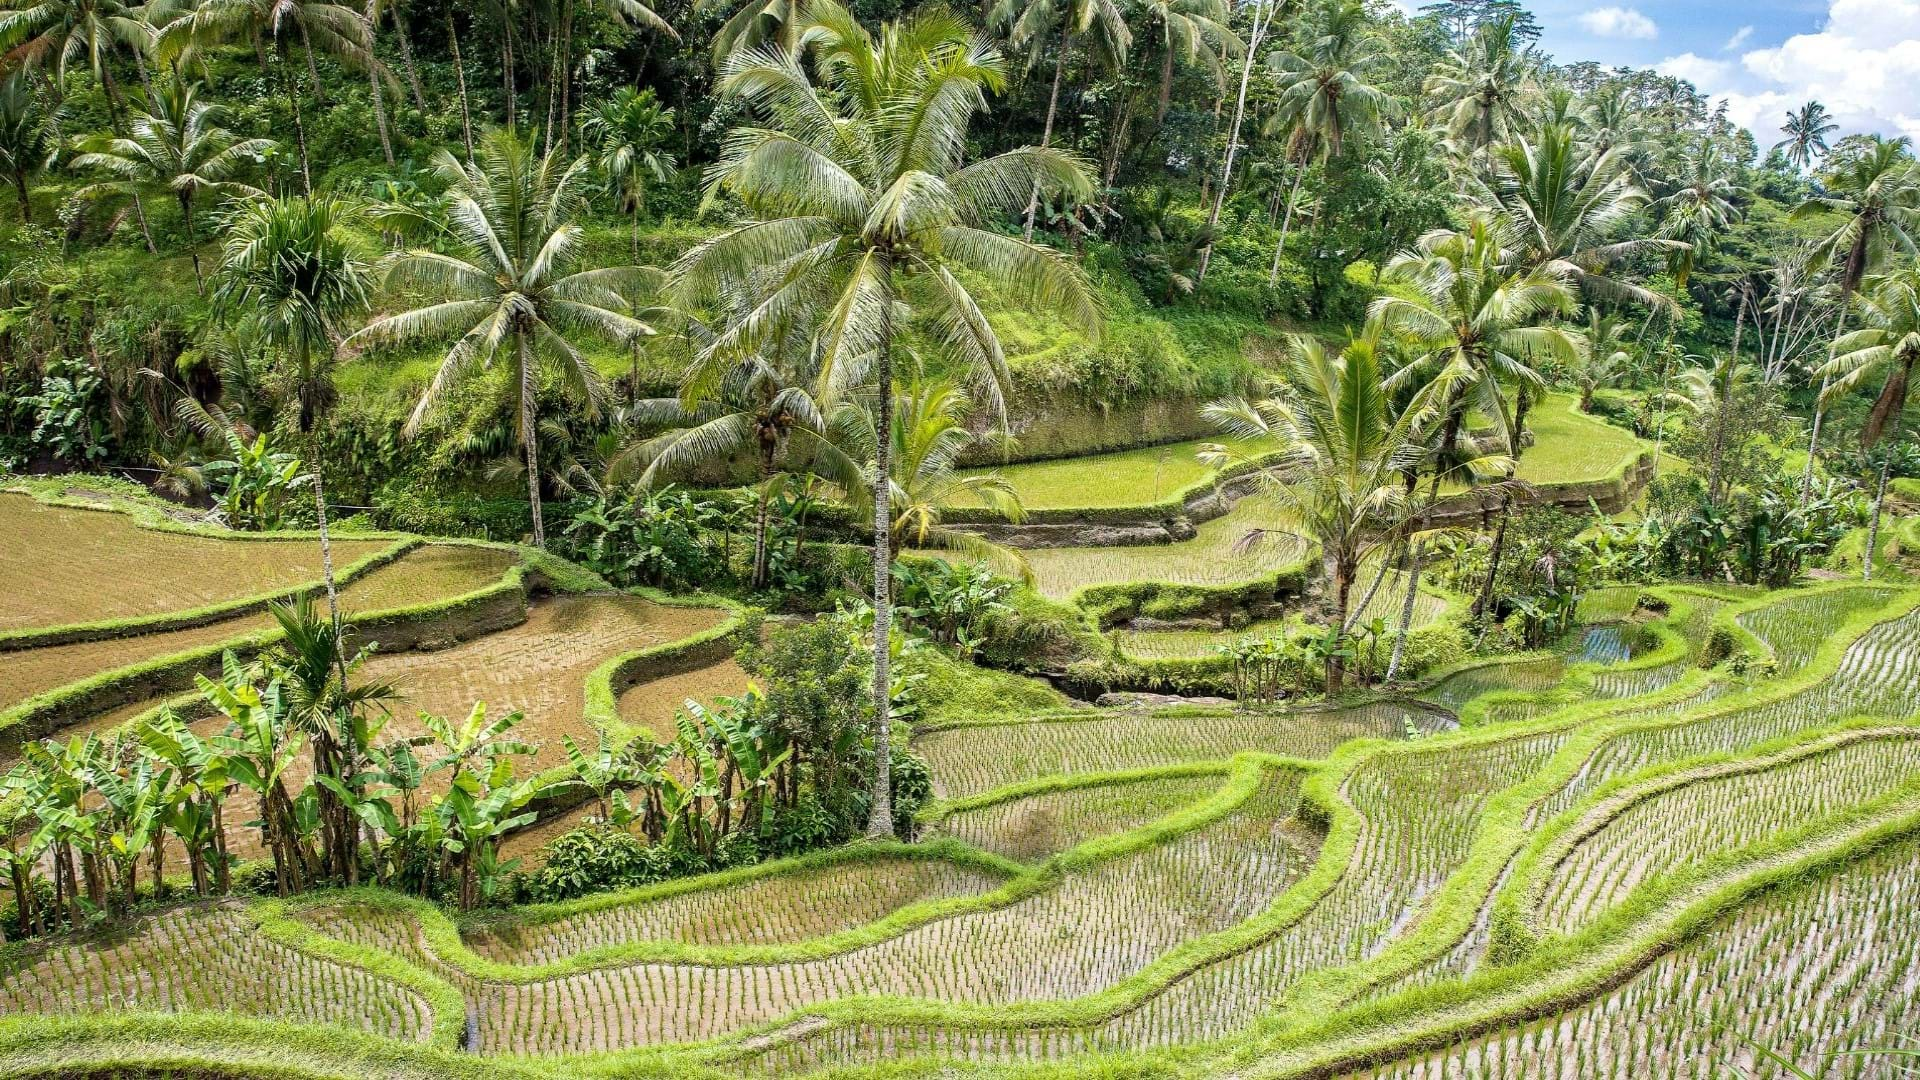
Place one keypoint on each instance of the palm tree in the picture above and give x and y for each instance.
(629, 132)
(560, 81)
(292, 270)
(1193, 31)
(510, 290)
(1324, 94)
(1605, 358)
(178, 148)
(28, 137)
(55, 33)
(1264, 13)
(1806, 132)
(1878, 195)
(1341, 477)
(319, 25)
(1483, 89)
(859, 199)
(1889, 346)
(1700, 209)
(1563, 209)
(1031, 24)
(929, 435)
(763, 402)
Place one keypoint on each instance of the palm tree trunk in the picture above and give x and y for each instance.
(460, 76)
(760, 525)
(193, 246)
(376, 93)
(1046, 130)
(880, 814)
(406, 54)
(1820, 402)
(1286, 222)
(1726, 399)
(1262, 16)
(1166, 89)
(530, 437)
(1342, 586)
(1366, 597)
(299, 122)
(506, 66)
(1410, 563)
(20, 192)
(1880, 496)
(1483, 604)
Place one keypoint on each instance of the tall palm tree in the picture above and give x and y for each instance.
(860, 203)
(52, 34)
(1700, 209)
(1324, 93)
(1261, 21)
(177, 148)
(317, 26)
(1341, 475)
(629, 132)
(1606, 358)
(1032, 24)
(1193, 32)
(509, 290)
(1483, 89)
(1877, 194)
(1563, 208)
(1806, 132)
(560, 80)
(1888, 346)
(28, 137)
(293, 270)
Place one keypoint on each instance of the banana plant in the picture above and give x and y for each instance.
(478, 807)
(261, 746)
(194, 812)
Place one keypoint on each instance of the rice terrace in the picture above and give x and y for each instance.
(1154, 538)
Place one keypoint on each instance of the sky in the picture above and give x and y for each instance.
(1861, 58)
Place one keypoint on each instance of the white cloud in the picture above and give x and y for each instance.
(1619, 22)
(1738, 39)
(1863, 64)
(1703, 73)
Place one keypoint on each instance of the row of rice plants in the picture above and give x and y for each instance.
(784, 908)
(1421, 809)
(1878, 675)
(1816, 970)
(207, 959)
(1038, 826)
(1199, 644)
(1093, 929)
(1795, 627)
(1680, 826)
(974, 759)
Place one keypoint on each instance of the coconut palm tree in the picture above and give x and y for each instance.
(510, 290)
(929, 435)
(1032, 25)
(1563, 208)
(1806, 132)
(1324, 95)
(1888, 346)
(52, 34)
(629, 132)
(1605, 358)
(1700, 209)
(317, 26)
(1877, 195)
(292, 271)
(28, 137)
(1193, 32)
(860, 207)
(1483, 89)
(177, 148)
(1341, 477)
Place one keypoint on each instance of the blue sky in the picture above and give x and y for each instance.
(1861, 58)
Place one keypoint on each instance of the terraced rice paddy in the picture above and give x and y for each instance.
(207, 959)
(88, 566)
(1137, 477)
(1197, 644)
(1591, 864)
(424, 575)
(969, 760)
(1212, 557)
(781, 908)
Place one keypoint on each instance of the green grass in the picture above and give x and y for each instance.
(1150, 474)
